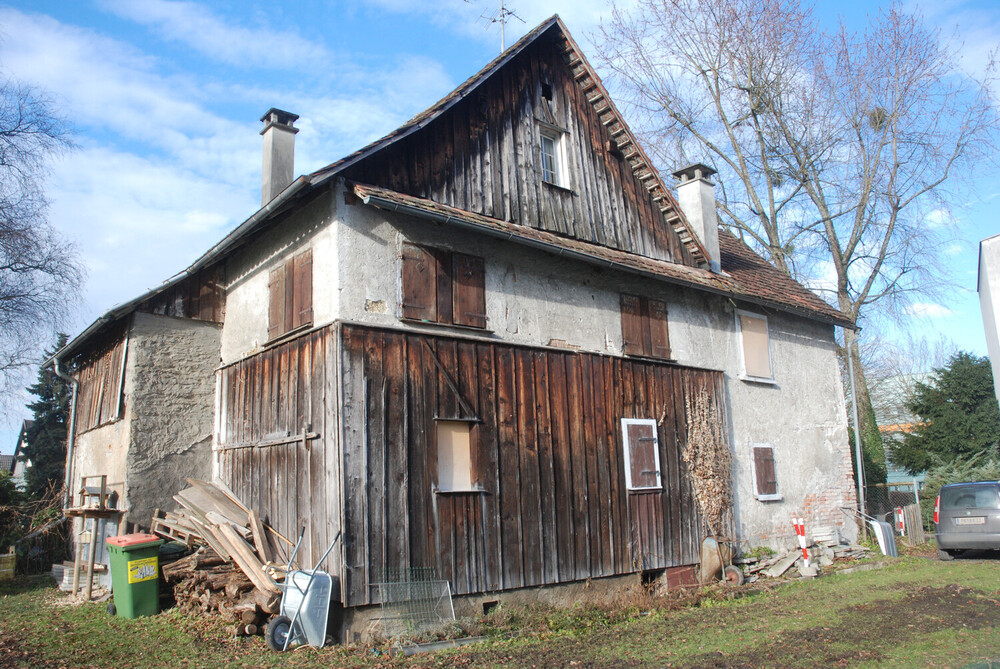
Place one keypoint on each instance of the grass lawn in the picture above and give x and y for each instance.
(912, 612)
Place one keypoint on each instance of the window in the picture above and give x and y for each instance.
(644, 327)
(754, 351)
(765, 482)
(454, 456)
(642, 454)
(290, 287)
(550, 157)
(443, 287)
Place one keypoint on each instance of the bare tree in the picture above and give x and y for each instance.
(39, 272)
(839, 155)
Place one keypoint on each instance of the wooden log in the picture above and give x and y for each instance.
(251, 629)
(245, 559)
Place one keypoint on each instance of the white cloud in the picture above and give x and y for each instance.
(929, 310)
(196, 26)
(939, 218)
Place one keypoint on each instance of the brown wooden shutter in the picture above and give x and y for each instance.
(763, 461)
(632, 330)
(276, 303)
(302, 293)
(659, 337)
(642, 456)
(445, 278)
(419, 284)
(470, 291)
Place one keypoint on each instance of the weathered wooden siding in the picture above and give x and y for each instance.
(483, 155)
(200, 297)
(101, 374)
(268, 401)
(547, 451)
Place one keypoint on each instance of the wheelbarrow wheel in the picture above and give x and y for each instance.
(277, 632)
(734, 575)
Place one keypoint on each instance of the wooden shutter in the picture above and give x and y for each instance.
(276, 303)
(444, 272)
(642, 454)
(659, 338)
(763, 463)
(302, 308)
(419, 284)
(469, 291)
(632, 330)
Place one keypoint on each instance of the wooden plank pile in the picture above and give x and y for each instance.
(237, 559)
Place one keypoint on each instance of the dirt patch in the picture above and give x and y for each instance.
(867, 630)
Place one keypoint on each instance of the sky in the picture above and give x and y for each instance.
(164, 98)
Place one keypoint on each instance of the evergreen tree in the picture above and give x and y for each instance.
(46, 448)
(957, 415)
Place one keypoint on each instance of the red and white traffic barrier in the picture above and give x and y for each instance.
(900, 524)
(800, 532)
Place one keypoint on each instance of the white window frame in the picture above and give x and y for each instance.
(453, 486)
(656, 453)
(776, 497)
(557, 136)
(743, 357)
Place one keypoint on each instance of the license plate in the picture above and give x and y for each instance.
(972, 520)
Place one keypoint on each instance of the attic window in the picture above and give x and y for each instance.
(290, 288)
(550, 150)
(443, 287)
(547, 91)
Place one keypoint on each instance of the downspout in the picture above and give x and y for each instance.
(857, 426)
(71, 435)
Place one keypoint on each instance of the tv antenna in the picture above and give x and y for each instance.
(502, 16)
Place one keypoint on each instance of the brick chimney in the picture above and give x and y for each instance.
(696, 196)
(279, 152)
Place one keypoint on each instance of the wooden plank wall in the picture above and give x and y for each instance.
(283, 391)
(483, 156)
(547, 453)
(101, 376)
(200, 297)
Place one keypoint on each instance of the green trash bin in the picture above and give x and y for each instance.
(135, 574)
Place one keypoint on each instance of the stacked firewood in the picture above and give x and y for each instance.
(237, 559)
(205, 583)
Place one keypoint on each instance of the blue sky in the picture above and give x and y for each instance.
(165, 97)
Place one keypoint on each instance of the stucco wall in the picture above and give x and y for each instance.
(171, 388)
(102, 451)
(245, 329)
(534, 297)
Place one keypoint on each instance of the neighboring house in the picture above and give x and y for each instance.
(890, 397)
(988, 286)
(485, 343)
(21, 466)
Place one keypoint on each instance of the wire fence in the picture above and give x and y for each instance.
(882, 499)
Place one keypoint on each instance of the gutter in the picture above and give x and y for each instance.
(448, 219)
(71, 434)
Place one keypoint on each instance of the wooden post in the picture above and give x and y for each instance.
(88, 588)
(78, 554)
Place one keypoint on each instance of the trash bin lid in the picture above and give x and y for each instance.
(133, 539)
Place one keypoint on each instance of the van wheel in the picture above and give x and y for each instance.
(946, 555)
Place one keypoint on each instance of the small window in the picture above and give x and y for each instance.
(754, 346)
(454, 456)
(290, 288)
(550, 157)
(443, 287)
(642, 454)
(765, 480)
(644, 327)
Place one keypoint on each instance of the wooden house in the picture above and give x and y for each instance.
(494, 343)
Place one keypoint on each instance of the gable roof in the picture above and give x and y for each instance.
(746, 276)
(760, 282)
(590, 83)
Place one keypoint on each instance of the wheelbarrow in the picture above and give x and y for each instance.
(305, 606)
(717, 561)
